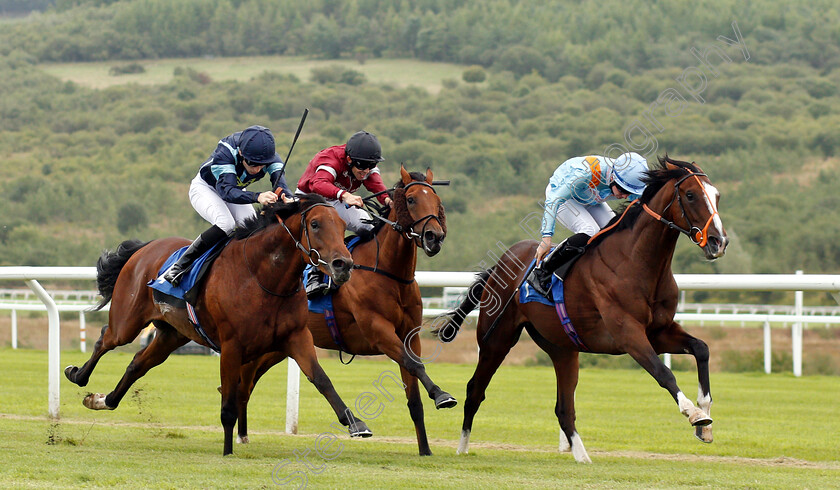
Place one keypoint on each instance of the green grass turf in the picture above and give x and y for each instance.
(772, 431)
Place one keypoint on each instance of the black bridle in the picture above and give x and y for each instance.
(308, 250)
(408, 231)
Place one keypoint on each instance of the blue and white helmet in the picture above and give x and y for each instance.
(628, 171)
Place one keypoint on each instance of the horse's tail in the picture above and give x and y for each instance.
(455, 318)
(108, 268)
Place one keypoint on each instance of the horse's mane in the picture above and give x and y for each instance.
(269, 214)
(655, 179)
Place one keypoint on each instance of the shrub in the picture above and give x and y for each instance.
(131, 216)
(474, 74)
(128, 69)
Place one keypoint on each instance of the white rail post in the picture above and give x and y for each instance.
(292, 397)
(54, 345)
(767, 355)
(14, 329)
(796, 331)
(82, 333)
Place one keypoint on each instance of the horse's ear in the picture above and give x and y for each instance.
(406, 177)
(429, 177)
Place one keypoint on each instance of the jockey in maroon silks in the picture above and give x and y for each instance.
(336, 173)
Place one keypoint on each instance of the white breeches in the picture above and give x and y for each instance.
(216, 210)
(584, 219)
(353, 216)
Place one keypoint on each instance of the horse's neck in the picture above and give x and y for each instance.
(273, 260)
(396, 252)
(653, 243)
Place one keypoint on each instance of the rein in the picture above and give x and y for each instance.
(697, 235)
(308, 252)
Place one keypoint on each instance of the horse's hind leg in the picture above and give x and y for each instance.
(301, 348)
(249, 375)
(566, 369)
(109, 338)
(675, 340)
(166, 341)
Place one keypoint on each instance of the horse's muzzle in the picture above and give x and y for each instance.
(715, 247)
(340, 269)
(432, 242)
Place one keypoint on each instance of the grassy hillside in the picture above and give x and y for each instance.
(397, 72)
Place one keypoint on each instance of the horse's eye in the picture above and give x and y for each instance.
(689, 195)
(410, 200)
(314, 224)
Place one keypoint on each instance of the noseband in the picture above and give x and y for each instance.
(700, 236)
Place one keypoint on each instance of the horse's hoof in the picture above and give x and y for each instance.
(96, 401)
(242, 440)
(70, 372)
(699, 419)
(445, 400)
(361, 433)
(704, 433)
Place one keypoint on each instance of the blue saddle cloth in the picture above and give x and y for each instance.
(191, 276)
(321, 304)
(527, 294)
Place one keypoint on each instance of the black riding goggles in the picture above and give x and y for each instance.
(363, 164)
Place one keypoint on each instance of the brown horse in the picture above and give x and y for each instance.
(621, 298)
(379, 311)
(251, 303)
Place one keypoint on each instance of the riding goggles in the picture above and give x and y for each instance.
(363, 164)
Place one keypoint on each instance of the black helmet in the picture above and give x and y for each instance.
(364, 148)
(257, 145)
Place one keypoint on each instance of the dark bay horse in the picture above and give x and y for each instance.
(251, 303)
(380, 311)
(621, 298)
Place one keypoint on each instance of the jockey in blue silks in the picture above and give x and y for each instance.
(576, 196)
(218, 191)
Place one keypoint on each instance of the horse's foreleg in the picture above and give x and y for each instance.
(566, 369)
(230, 366)
(641, 350)
(408, 355)
(302, 350)
(675, 340)
(166, 341)
(415, 410)
(490, 357)
(249, 375)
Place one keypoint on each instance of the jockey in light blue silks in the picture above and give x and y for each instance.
(576, 196)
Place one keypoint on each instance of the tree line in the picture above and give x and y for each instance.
(552, 37)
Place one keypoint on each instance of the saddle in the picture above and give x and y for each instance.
(187, 290)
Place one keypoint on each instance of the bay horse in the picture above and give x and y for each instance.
(379, 311)
(620, 296)
(251, 303)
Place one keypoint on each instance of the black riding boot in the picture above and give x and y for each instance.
(203, 243)
(540, 277)
(316, 283)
